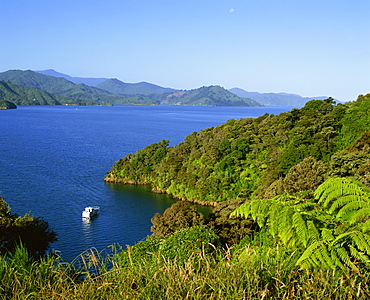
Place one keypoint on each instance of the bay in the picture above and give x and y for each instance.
(54, 158)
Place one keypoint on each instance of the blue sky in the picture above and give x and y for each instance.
(307, 47)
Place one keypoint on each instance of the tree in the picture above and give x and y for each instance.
(178, 216)
(33, 233)
(306, 175)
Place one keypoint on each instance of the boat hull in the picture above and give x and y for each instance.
(90, 211)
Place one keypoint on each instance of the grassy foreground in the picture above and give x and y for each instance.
(242, 274)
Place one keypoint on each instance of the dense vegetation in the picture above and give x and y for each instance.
(291, 221)
(261, 157)
(33, 233)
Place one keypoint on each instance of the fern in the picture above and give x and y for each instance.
(334, 188)
(333, 230)
(343, 201)
(354, 211)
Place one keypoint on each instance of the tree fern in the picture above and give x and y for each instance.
(335, 188)
(333, 229)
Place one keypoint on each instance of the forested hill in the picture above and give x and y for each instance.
(208, 95)
(58, 86)
(21, 95)
(290, 152)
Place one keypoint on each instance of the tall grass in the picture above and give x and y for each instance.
(221, 276)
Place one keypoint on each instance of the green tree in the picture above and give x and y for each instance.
(33, 233)
(178, 216)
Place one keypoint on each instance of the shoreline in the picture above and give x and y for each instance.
(157, 190)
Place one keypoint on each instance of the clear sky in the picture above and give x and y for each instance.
(307, 47)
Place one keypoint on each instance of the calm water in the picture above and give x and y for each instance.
(53, 160)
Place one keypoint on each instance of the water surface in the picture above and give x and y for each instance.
(54, 158)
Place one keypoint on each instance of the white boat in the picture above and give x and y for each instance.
(90, 211)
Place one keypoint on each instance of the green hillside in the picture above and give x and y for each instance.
(58, 86)
(208, 95)
(21, 95)
(116, 86)
(250, 156)
(34, 80)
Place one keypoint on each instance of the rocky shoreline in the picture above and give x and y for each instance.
(157, 190)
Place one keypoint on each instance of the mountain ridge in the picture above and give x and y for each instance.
(210, 96)
(278, 99)
(77, 80)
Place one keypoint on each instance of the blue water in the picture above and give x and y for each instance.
(53, 160)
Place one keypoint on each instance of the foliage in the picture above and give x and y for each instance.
(230, 230)
(265, 156)
(333, 229)
(178, 216)
(354, 161)
(33, 233)
(355, 121)
(189, 241)
(139, 167)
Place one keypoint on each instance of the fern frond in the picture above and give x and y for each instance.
(344, 201)
(360, 214)
(260, 211)
(313, 232)
(365, 227)
(274, 218)
(286, 229)
(327, 234)
(340, 257)
(242, 211)
(333, 188)
(321, 253)
(301, 230)
(307, 254)
(361, 241)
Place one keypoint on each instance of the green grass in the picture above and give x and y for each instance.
(201, 276)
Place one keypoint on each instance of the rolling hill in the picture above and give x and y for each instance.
(116, 86)
(209, 96)
(21, 95)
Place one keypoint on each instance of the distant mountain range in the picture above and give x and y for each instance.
(59, 90)
(113, 85)
(279, 99)
(52, 87)
(76, 80)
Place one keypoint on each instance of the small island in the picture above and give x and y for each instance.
(7, 105)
